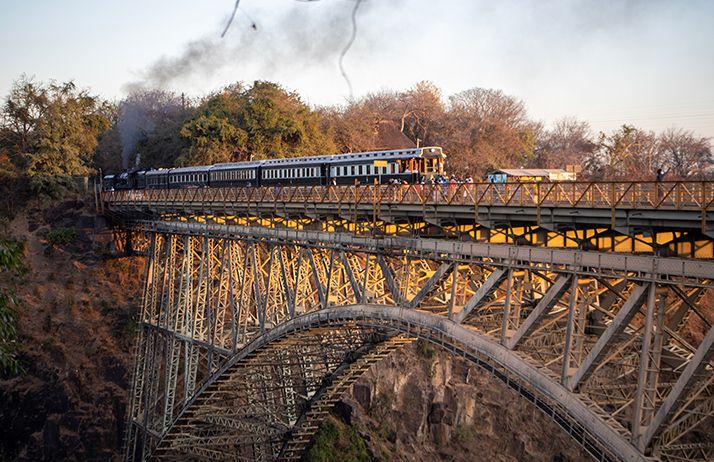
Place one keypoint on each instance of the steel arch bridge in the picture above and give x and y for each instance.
(250, 335)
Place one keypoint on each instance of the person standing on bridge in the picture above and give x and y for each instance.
(658, 187)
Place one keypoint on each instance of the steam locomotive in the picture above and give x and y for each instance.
(405, 165)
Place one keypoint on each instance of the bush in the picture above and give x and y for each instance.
(337, 441)
(61, 236)
(10, 255)
(10, 259)
(9, 363)
(424, 349)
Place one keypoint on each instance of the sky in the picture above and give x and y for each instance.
(648, 63)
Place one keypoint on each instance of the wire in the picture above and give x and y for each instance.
(233, 15)
(348, 46)
(230, 21)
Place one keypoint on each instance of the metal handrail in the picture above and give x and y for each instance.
(648, 195)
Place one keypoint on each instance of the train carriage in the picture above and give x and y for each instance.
(189, 177)
(157, 179)
(234, 174)
(298, 171)
(406, 165)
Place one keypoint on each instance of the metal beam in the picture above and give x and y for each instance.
(429, 286)
(389, 278)
(686, 381)
(546, 303)
(611, 334)
(639, 267)
(350, 275)
(487, 288)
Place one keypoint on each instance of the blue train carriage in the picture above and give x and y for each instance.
(405, 165)
(234, 174)
(295, 171)
(189, 177)
(157, 179)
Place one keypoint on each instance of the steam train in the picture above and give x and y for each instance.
(405, 165)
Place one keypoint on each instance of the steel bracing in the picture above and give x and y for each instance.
(672, 218)
(249, 336)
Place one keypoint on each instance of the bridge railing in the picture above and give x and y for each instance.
(676, 195)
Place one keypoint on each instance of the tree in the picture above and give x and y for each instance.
(486, 129)
(24, 107)
(683, 154)
(422, 112)
(145, 131)
(213, 140)
(569, 142)
(260, 122)
(625, 153)
(65, 136)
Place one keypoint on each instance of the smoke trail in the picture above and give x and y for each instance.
(290, 41)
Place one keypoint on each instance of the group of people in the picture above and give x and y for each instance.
(452, 180)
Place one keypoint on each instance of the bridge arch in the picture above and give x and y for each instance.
(240, 414)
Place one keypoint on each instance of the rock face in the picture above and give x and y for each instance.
(421, 404)
(76, 325)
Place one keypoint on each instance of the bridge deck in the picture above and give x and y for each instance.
(644, 203)
(624, 217)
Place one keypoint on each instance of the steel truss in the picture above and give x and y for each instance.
(234, 360)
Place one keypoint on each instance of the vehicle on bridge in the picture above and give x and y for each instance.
(413, 165)
(529, 175)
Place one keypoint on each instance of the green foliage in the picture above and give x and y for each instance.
(10, 260)
(337, 441)
(213, 140)
(424, 349)
(53, 131)
(11, 255)
(464, 433)
(9, 364)
(263, 121)
(61, 236)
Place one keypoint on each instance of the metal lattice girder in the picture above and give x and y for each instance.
(639, 267)
(574, 316)
(616, 327)
(486, 289)
(690, 376)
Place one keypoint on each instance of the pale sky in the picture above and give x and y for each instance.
(647, 63)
